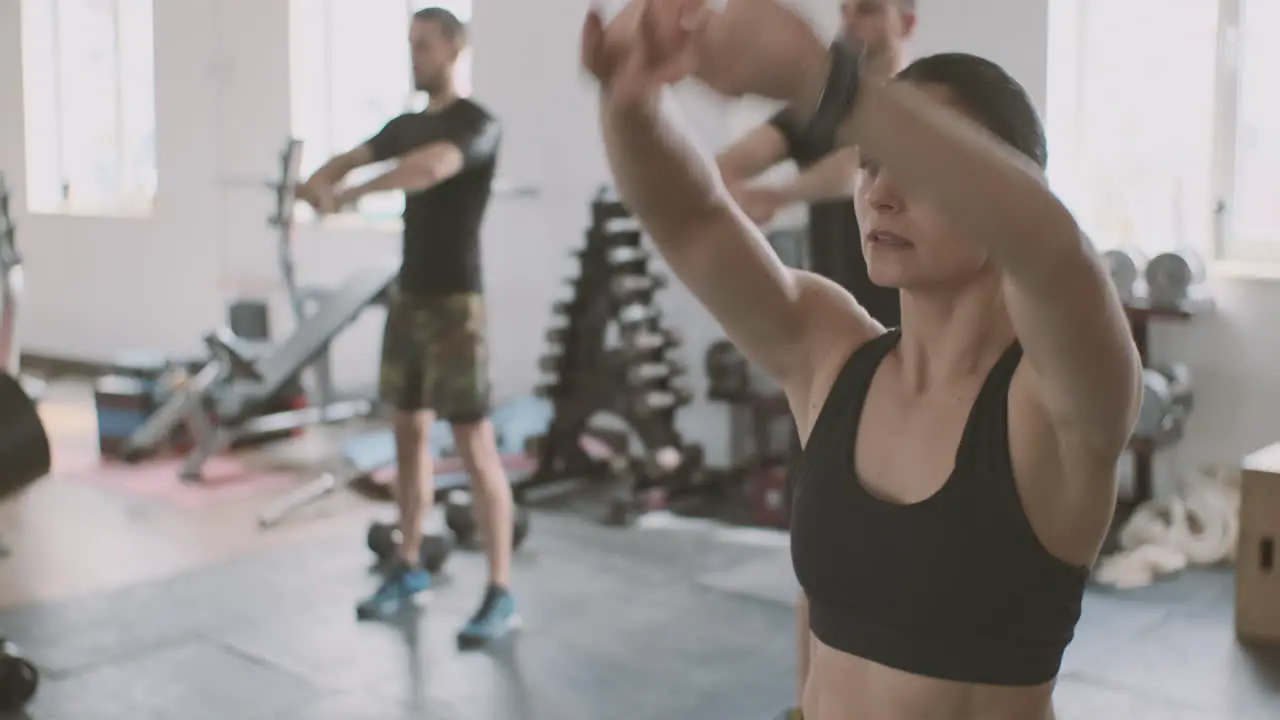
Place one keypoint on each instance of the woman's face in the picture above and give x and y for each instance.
(908, 242)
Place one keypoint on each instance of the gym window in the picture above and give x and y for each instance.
(1164, 129)
(88, 72)
(349, 74)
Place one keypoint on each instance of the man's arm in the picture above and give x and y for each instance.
(419, 170)
(765, 308)
(318, 190)
(755, 152)
(338, 167)
(831, 178)
(1063, 306)
(429, 165)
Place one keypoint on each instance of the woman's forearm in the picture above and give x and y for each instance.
(661, 175)
(992, 191)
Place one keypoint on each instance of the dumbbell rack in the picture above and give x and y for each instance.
(627, 372)
(1141, 313)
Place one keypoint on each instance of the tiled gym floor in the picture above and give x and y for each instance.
(194, 615)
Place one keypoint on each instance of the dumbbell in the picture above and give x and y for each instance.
(1167, 399)
(654, 371)
(548, 390)
(660, 400)
(636, 316)
(568, 308)
(621, 251)
(649, 341)
(624, 255)
(557, 335)
(1126, 268)
(433, 551)
(1171, 275)
(460, 518)
(550, 363)
(669, 459)
(627, 505)
(728, 373)
(19, 679)
(615, 234)
(606, 208)
(624, 287)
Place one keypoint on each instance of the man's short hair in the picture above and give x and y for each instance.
(452, 28)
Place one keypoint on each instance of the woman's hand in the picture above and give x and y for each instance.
(648, 46)
(739, 47)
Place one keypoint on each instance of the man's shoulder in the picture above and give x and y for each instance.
(476, 112)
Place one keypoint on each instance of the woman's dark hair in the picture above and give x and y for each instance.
(989, 94)
(450, 26)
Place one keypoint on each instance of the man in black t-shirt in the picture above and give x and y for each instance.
(434, 354)
(826, 175)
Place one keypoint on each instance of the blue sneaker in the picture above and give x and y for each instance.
(495, 618)
(396, 591)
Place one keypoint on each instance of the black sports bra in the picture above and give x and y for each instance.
(956, 587)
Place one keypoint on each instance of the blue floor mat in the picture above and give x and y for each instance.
(514, 423)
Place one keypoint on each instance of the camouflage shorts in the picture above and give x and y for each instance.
(434, 356)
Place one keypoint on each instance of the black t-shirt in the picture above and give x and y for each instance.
(442, 223)
(835, 241)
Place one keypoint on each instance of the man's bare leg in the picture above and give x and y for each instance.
(414, 482)
(413, 498)
(494, 508)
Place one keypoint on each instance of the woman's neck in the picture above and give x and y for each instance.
(953, 333)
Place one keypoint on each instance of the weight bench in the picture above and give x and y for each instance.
(217, 404)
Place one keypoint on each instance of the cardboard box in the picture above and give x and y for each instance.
(1258, 565)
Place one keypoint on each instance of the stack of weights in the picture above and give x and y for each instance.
(613, 354)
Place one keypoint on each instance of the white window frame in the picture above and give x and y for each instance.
(1063, 119)
(119, 206)
(1226, 152)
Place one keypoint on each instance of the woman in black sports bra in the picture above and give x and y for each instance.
(958, 474)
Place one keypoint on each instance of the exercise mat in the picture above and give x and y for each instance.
(24, 445)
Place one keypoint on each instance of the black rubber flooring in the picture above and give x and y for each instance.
(619, 625)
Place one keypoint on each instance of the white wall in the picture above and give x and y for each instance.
(96, 285)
